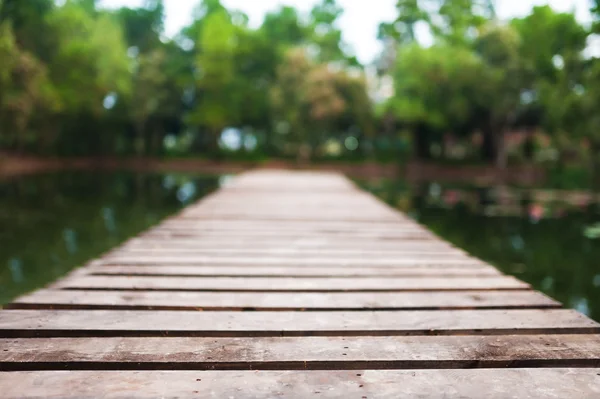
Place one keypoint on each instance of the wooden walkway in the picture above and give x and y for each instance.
(293, 285)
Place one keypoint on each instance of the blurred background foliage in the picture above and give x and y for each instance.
(77, 79)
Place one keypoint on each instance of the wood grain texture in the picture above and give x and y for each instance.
(15, 323)
(282, 251)
(325, 289)
(284, 301)
(278, 243)
(557, 383)
(278, 271)
(234, 234)
(290, 261)
(236, 240)
(298, 353)
(302, 284)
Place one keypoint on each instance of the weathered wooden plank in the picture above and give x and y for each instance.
(234, 234)
(306, 243)
(558, 383)
(305, 284)
(289, 261)
(277, 242)
(291, 252)
(324, 217)
(284, 228)
(279, 271)
(290, 202)
(298, 353)
(20, 323)
(299, 212)
(285, 301)
(215, 222)
(291, 232)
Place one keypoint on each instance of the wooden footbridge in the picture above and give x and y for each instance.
(293, 285)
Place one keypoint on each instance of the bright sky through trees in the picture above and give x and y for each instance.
(359, 22)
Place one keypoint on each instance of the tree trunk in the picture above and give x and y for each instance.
(268, 148)
(421, 143)
(389, 127)
(488, 145)
(595, 166)
(156, 141)
(528, 146)
(304, 155)
(140, 140)
(214, 151)
(501, 156)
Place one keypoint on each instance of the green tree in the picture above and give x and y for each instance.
(27, 20)
(143, 26)
(403, 28)
(95, 55)
(255, 63)
(433, 89)
(596, 13)
(326, 35)
(201, 13)
(149, 97)
(498, 98)
(215, 74)
(551, 50)
(459, 20)
(88, 63)
(288, 97)
(24, 91)
(582, 118)
(314, 101)
(283, 28)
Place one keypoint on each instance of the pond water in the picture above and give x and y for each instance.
(548, 238)
(50, 224)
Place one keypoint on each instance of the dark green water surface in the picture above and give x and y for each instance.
(550, 239)
(50, 224)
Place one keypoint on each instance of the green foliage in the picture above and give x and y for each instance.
(143, 26)
(438, 95)
(24, 90)
(490, 77)
(547, 40)
(79, 79)
(326, 36)
(499, 88)
(596, 13)
(84, 80)
(90, 57)
(150, 93)
(311, 99)
(458, 21)
(27, 19)
(215, 74)
(402, 30)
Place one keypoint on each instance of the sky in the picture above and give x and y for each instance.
(360, 20)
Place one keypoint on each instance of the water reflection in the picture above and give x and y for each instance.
(51, 223)
(549, 238)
